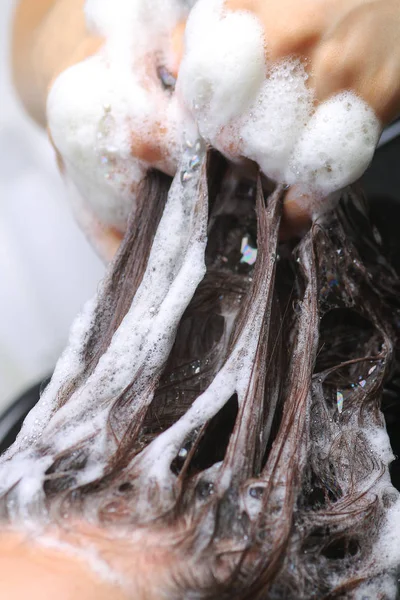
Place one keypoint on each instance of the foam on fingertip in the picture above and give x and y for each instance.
(224, 54)
(336, 146)
(270, 127)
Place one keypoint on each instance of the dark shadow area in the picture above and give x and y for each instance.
(213, 445)
(344, 334)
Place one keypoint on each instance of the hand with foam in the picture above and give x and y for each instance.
(263, 79)
(348, 45)
(102, 82)
(330, 78)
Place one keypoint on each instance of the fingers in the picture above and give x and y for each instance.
(348, 46)
(361, 53)
(291, 27)
(297, 208)
(177, 45)
(27, 20)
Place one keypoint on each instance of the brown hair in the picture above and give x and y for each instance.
(281, 492)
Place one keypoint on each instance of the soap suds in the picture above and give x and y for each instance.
(274, 122)
(90, 554)
(70, 365)
(235, 376)
(223, 66)
(336, 146)
(387, 547)
(91, 129)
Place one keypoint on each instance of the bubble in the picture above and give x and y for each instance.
(204, 489)
(183, 453)
(346, 132)
(256, 492)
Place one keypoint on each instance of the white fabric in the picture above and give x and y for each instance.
(47, 269)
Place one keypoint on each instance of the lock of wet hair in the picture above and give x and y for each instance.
(220, 400)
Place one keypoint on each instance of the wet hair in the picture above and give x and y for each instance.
(281, 487)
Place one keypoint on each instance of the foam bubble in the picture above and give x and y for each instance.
(224, 53)
(69, 366)
(137, 352)
(89, 117)
(336, 146)
(386, 553)
(271, 126)
(132, 24)
(242, 104)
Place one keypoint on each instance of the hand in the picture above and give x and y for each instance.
(345, 45)
(49, 37)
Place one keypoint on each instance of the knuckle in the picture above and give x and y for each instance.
(335, 67)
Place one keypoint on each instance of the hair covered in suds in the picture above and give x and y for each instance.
(246, 430)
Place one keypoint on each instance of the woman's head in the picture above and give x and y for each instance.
(229, 444)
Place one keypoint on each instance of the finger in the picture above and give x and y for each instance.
(361, 54)
(48, 37)
(297, 207)
(177, 45)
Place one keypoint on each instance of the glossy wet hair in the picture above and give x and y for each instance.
(278, 489)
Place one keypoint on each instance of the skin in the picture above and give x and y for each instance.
(142, 563)
(47, 574)
(48, 37)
